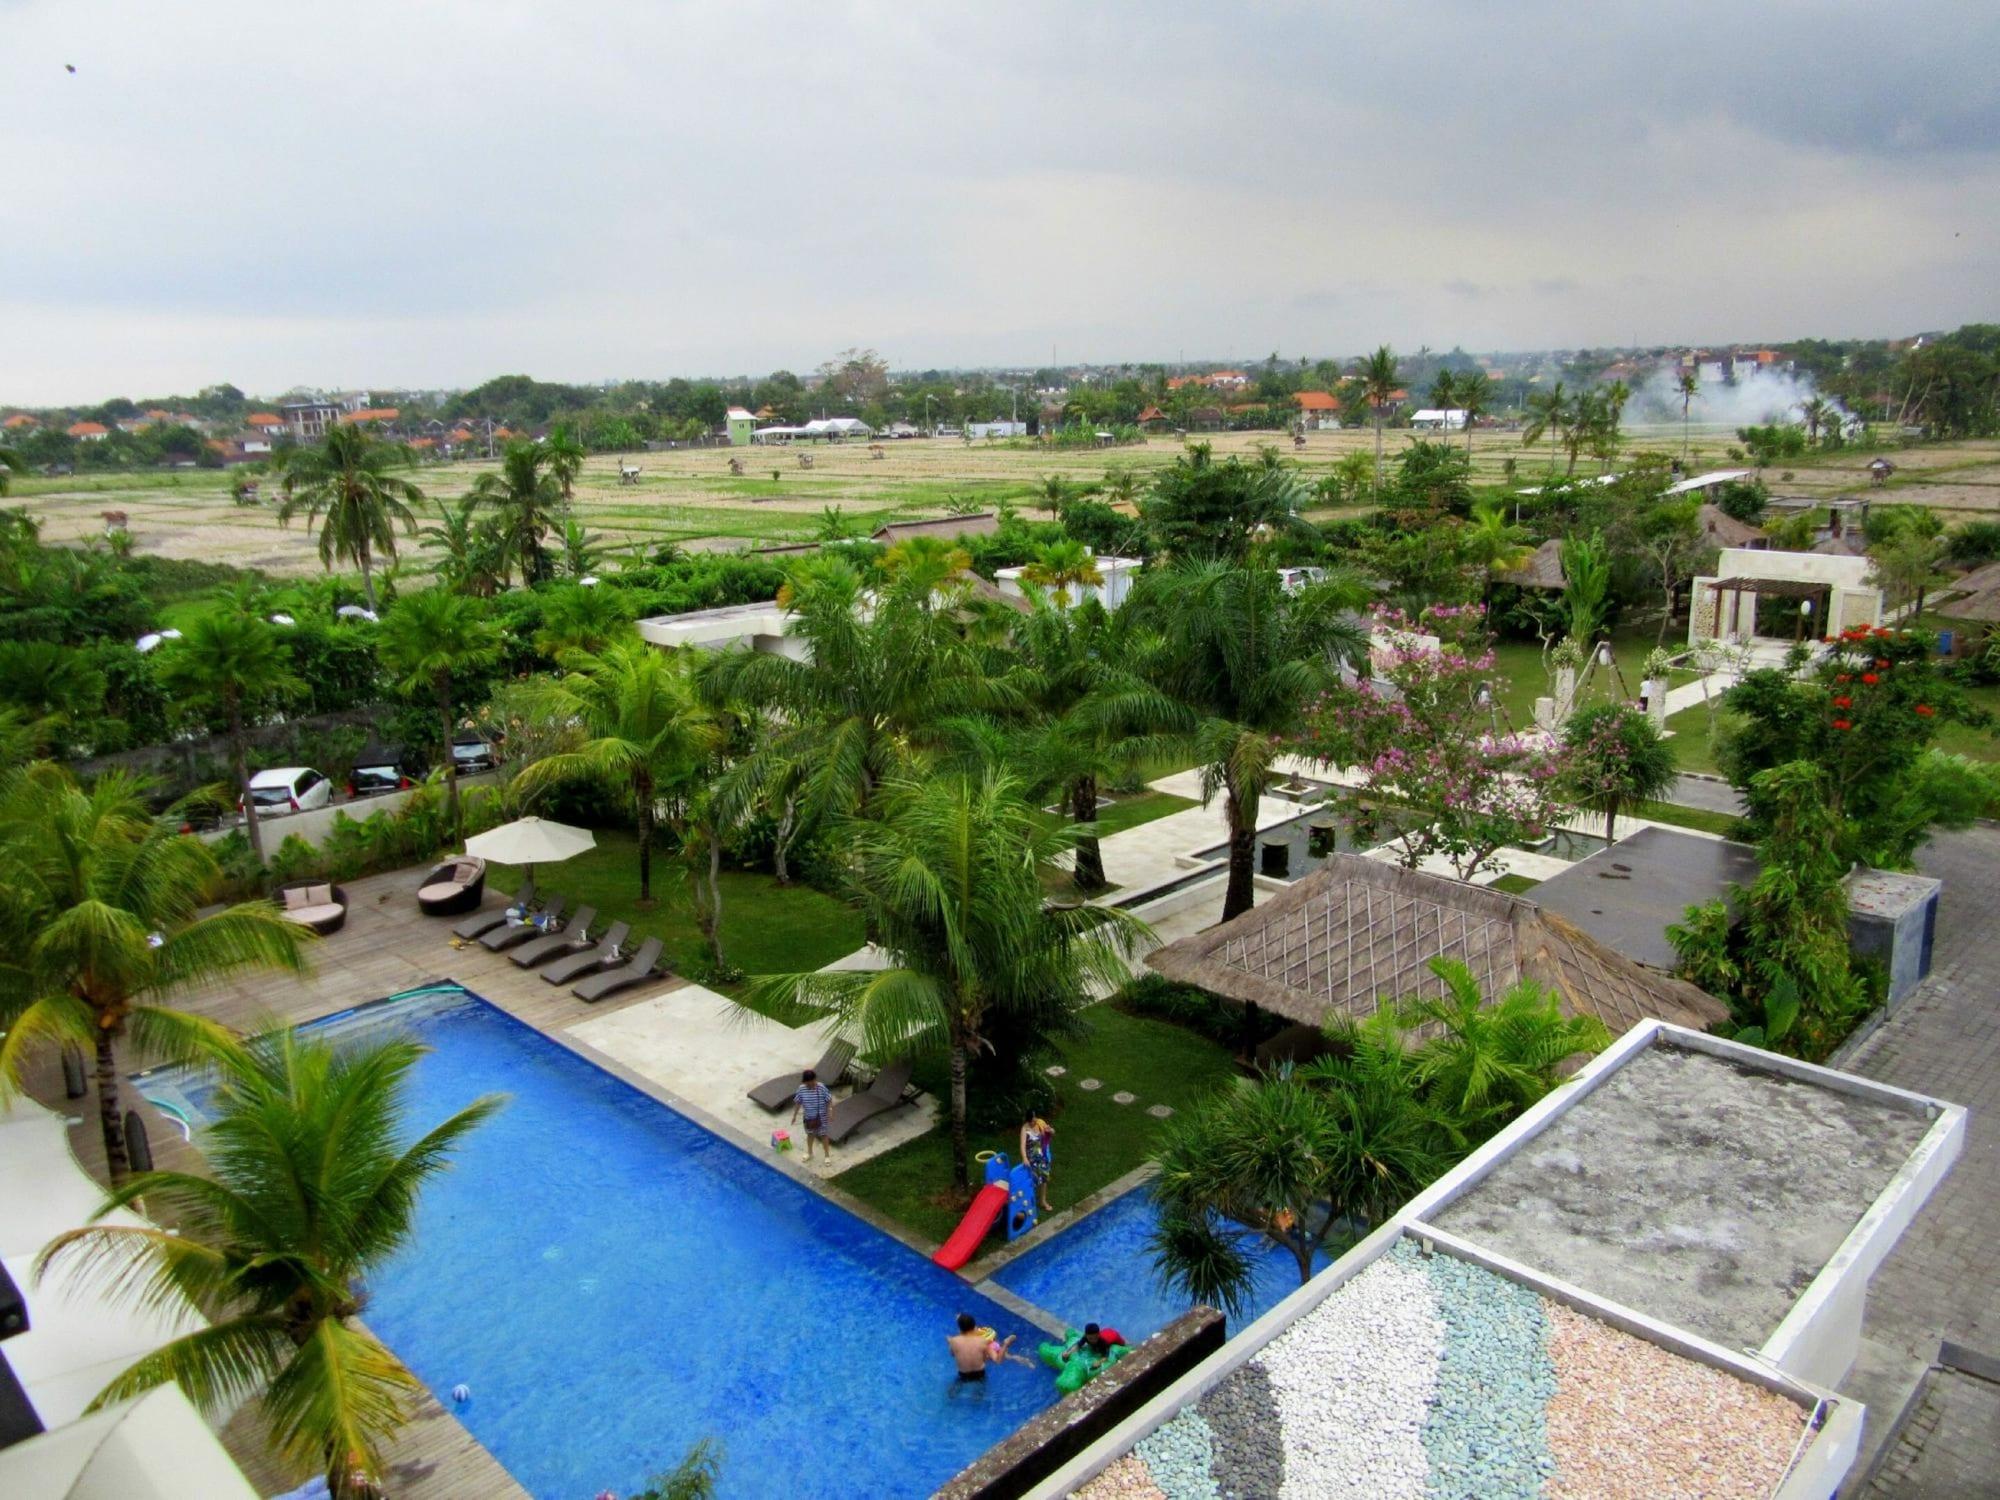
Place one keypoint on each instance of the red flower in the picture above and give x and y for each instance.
(1845, 677)
(1925, 709)
(1882, 661)
(1870, 678)
(1843, 703)
(1842, 724)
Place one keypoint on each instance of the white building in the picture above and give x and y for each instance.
(1824, 594)
(1439, 419)
(1117, 572)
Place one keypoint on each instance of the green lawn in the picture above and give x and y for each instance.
(1515, 885)
(767, 928)
(1129, 811)
(1690, 730)
(1097, 1141)
(1701, 819)
(1525, 678)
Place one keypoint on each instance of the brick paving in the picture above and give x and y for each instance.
(1943, 1279)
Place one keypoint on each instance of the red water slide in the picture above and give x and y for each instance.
(972, 1230)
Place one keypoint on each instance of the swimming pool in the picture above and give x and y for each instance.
(1100, 1271)
(615, 1282)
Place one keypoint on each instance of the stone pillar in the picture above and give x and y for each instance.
(1655, 690)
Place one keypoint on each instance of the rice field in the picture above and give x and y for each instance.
(688, 497)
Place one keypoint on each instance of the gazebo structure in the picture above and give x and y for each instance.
(1542, 569)
(1359, 930)
(1827, 594)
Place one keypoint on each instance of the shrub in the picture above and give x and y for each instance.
(1200, 1011)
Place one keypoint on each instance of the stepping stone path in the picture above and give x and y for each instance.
(1122, 1097)
(1090, 1085)
(1055, 1070)
(1159, 1111)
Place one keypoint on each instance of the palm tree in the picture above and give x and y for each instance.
(1444, 391)
(646, 732)
(564, 454)
(528, 500)
(579, 550)
(475, 552)
(1475, 398)
(230, 660)
(949, 880)
(1120, 487)
(1094, 717)
(1547, 412)
(1378, 382)
(1056, 492)
(1689, 386)
(432, 641)
(575, 618)
(1617, 758)
(99, 917)
(1061, 567)
(345, 487)
(1493, 544)
(927, 564)
(11, 463)
(1817, 412)
(309, 1189)
(1245, 657)
(1489, 1062)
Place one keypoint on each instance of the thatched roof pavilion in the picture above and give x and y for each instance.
(1358, 930)
(1542, 570)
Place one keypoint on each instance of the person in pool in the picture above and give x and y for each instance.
(974, 1348)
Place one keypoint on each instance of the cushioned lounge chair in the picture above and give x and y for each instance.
(611, 981)
(486, 921)
(513, 934)
(777, 1093)
(575, 935)
(319, 905)
(453, 888)
(885, 1093)
(609, 949)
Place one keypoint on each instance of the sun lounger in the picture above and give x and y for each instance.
(885, 1093)
(575, 935)
(500, 939)
(453, 888)
(608, 949)
(777, 1093)
(486, 921)
(611, 981)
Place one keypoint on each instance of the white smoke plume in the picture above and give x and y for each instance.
(1758, 396)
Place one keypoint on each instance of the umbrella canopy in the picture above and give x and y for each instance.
(530, 841)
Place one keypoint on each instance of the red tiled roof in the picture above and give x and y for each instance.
(423, 442)
(1316, 401)
(263, 419)
(461, 435)
(372, 414)
(19, 420)
(87, 429)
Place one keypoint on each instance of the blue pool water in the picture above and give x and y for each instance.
(1100, 1271)
(614, 1282)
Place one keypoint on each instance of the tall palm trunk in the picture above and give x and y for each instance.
(642, 789)
(450, 759)
(240, 753)
(1089, 873)
(367, 561)
(1241, 808)
(708, 901)
(961, 1176)
(781, 843)
(1378, 452)
(110, 1121)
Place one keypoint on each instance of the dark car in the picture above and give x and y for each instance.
(473, 751)
(380, 769)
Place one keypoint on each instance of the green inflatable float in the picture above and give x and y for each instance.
(1081, 1356)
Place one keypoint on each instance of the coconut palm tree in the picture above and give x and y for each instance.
(310, 1187)
(646, 732)
(1444, 391)
(1245, 658)
(1065, 568)
(347, 489)
(1056, 492)
(1616, 758)
(1493, 544)
(564, 454)
(1547, 412)
(98, 912)
(1378, 382)
(927, 565)
(1689, 386)
(528, 502)
(1475, 398)
(475, 552)
(1817, 412)
(231, 661)
(432, 641)
(948, 877)
(580, 619)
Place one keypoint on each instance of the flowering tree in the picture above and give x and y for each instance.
(1423, 734)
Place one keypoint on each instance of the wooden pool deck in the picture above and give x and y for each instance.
(386, 947)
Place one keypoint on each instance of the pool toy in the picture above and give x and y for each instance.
(461, 1393)
(1075, 1364)
(1007, 1188)
(781, 1140)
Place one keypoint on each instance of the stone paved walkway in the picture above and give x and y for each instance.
(1943, 1279)
(1706, 792)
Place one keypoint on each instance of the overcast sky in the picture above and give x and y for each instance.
(430, 194)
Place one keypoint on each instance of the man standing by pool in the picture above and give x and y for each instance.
(815, 1100)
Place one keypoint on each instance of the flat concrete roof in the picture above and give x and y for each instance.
(1625, 896)
(1693, 1189)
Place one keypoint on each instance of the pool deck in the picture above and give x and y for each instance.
(678, 1042)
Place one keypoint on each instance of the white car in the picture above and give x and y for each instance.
(288, 789)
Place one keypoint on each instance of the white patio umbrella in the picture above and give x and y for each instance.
(530, 842)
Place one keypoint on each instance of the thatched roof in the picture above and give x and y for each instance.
(1984, 605)
(1542, 570)
(1726, 531)
(1979, 580)
(1359, 930)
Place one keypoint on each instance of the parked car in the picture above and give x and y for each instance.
(286, 789)
(380, 769)
(473, 751)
